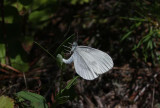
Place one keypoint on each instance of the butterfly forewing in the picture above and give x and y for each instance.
(82, 68)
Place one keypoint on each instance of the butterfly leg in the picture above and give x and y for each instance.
(68, 61)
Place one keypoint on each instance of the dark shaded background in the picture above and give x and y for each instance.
(127, 30)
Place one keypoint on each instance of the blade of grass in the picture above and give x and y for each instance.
(45, 50)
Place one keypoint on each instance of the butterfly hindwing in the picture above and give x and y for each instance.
(96, 60)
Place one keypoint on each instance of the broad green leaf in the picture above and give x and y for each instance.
(6, 102)
(19, 64)
(37, 101)
(39, 18)
(19, 6)
(2, 53)
(11, 14)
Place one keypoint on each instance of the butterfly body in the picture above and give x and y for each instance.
(89, 62)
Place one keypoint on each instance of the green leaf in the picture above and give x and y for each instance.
(11, 14)
(139, 43)
(149, 45)
(72, 83)
(68, 93)
(134, 48)
(138, 24)
(6, 102)
(2, 53)
(37, 101)
(126, 35)
(147, 37)
(39, 18)
(135, 19)
(19, 64)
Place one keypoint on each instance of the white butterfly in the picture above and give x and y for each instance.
(89, 62)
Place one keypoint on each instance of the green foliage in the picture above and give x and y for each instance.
(6, 102)
(144, 25)
(2, 53)
(19, 64)
(134, 23)
(36, 101)
(68, 93)
(79, 1)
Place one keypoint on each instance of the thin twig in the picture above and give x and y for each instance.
(25, 81)
(153, 95)
(9, 88)
(9, 67)
(144, 89)
(67, 32)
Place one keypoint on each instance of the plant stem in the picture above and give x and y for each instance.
(4, 31)
(45, 50)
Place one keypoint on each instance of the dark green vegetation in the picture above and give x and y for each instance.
(32, 35)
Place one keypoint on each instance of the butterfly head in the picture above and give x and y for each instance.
(74, 45)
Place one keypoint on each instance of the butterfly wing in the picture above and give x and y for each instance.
(82, 68)
(97, 61)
